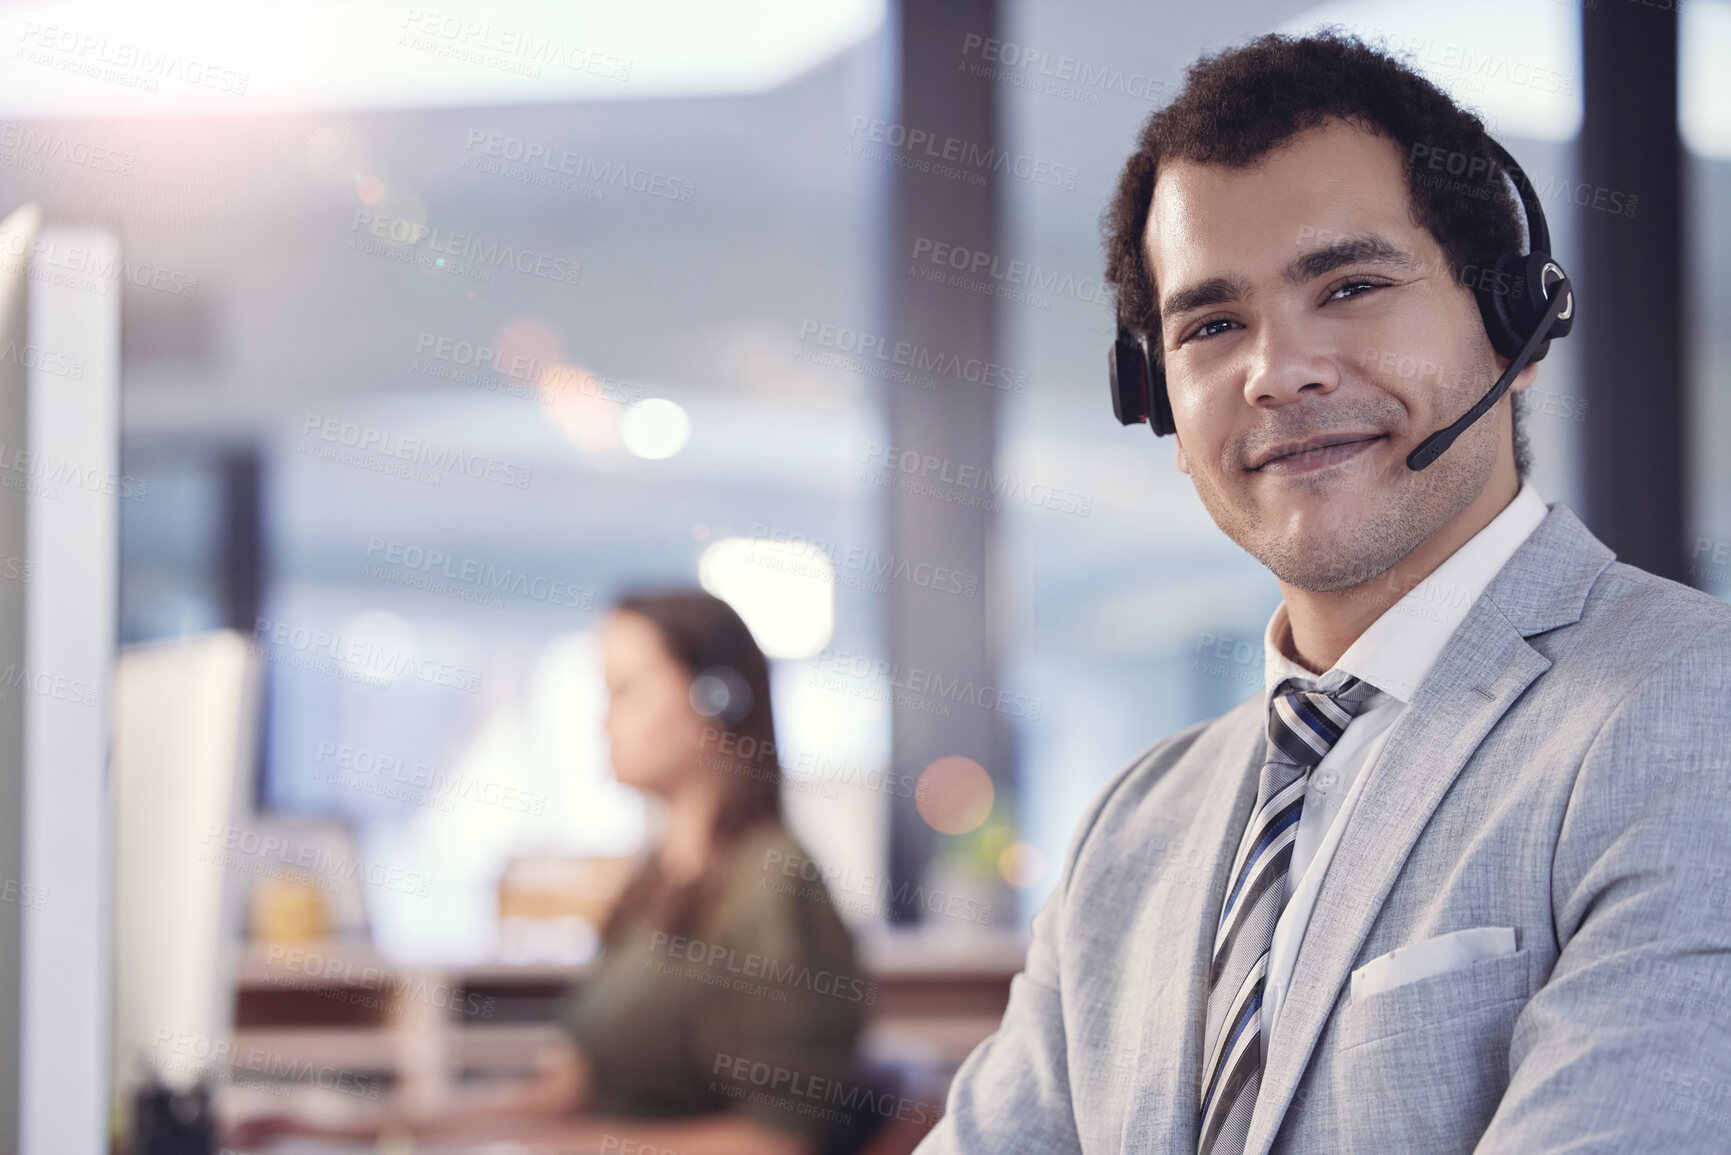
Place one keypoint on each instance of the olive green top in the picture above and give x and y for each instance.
(757, 1010)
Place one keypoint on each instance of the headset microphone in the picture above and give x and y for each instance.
(1432, 447)
(1525, 300)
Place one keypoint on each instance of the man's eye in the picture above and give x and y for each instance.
(1356, 288)
(1207, 329)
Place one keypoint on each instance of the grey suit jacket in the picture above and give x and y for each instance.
(1564, 770)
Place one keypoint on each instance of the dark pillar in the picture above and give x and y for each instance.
(933, 630)
(240, 546)
(1631, 318)
(239, 564)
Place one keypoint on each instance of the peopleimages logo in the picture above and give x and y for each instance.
(970, 485)
(60, 687)
(39, 144)
(1475, 67)
(88, 268)
(479, 364)
(466, 247)
(220, 1059)
(970, 265)
(360, 660)
(43, 360)
(930, 683)
(240, 847)
(518, 50)
(533, 154)
(428, 566)
(751, 965)
(330, 975)
(123, 62)
(373, 772)
(975, 158)
(919, 358)
(367, 439)
(43, 475)
(789, 549)
(802, 1094)
(1070, 77)
(839, 883)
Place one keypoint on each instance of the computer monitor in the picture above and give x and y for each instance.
(185, 735)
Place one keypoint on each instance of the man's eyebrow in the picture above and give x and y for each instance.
(1213, 291)
(1360, 248)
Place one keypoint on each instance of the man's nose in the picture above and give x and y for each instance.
(1288, 362)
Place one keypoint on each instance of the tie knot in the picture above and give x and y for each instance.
(1305, 722)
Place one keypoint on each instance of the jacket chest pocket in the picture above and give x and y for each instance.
(1435, 1000)
(1421, 1067)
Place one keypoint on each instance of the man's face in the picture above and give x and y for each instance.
(1313, 336)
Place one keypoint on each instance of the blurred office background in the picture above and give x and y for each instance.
(433, 332)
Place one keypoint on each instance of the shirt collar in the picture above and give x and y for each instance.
(1396, 651)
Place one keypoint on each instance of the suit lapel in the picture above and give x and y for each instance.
(1481, 672)
(1176, 924)
(1449, 716)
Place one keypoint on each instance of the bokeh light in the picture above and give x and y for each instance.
(791, 614)
(1021, 864)
(656, 428)
(954, 794)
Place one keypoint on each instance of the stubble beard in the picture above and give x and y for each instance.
(1352, 550)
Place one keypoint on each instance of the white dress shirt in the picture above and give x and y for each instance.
(1394, 654)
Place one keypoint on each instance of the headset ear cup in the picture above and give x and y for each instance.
(1160, 405)
(1525, 306)
(1539, 293)
(1501, 295)
(1128, 366)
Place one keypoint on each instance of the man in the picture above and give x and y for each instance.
(1457, 879)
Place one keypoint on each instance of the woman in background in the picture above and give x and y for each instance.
(715, 959)
(719, 964)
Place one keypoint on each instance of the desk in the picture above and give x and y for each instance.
(422, 1029)
(333, 1147)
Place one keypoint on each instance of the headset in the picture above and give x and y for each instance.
(1522, 316)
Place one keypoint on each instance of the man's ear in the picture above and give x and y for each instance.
(1183, 461)
(1522, 379)
(1525, 377)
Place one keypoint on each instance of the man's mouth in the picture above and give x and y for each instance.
(1314, 452)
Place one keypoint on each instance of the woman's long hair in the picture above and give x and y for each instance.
(730, 679)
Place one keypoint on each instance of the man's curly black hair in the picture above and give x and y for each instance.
(1241, 104)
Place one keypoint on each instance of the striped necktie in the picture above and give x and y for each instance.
(1303, 726)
